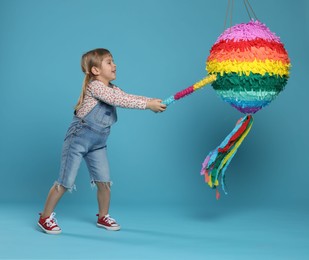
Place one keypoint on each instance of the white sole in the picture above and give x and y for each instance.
(55, 232)
(109, 228)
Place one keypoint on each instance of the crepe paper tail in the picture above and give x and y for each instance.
(198, 85)
(217, 161)
(217, 194)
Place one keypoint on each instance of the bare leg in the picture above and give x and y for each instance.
(103, 196)
(53, 197)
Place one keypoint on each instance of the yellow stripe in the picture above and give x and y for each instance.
(256, 67)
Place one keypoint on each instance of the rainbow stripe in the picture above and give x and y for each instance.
(251, 65)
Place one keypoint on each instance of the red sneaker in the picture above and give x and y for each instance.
(49, 224)
(108, 223)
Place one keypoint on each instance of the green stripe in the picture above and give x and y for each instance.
(254, 82)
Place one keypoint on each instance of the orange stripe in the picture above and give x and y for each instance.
(262, 54)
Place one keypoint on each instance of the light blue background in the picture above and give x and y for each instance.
(160, 47)
(165, 208)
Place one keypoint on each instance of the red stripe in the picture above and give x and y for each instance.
(246, 45)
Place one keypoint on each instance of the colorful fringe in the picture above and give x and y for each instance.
(198, 85)
(218, 160)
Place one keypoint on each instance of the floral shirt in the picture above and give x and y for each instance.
(112, 95)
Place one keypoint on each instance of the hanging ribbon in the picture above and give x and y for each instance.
(217, 161)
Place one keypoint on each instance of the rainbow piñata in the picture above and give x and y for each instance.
(248, 67)
(251, 66)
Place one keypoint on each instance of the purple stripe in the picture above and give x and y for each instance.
(247, 110)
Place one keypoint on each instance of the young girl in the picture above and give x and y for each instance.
(86, 137)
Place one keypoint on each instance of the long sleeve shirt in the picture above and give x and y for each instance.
(112, 95)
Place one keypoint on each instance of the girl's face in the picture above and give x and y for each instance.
(107, 71)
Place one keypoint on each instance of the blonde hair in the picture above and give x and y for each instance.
(90, 59)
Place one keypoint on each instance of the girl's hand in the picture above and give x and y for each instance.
(155, 105)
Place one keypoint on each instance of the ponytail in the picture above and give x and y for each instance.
(83, 93)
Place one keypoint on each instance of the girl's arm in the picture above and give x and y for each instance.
(116, 97)
(133, 96)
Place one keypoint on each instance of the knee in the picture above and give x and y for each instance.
(103, 185)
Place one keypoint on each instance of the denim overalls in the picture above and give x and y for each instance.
(86, 138)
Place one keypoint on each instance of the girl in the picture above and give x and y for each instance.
(86, 137)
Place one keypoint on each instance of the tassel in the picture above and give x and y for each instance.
(217, 161)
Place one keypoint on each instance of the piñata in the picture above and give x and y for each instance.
(248, 67)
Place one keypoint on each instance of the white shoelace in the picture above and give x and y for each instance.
(51, 221)
(110, 220)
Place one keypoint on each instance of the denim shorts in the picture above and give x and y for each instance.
(81, 141)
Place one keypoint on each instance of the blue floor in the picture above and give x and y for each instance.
(168, 232)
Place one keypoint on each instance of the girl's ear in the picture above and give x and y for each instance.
(95, 71)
